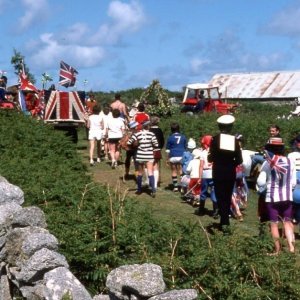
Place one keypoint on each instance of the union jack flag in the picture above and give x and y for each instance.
(280, 167)
(25, 83)
(67, 75)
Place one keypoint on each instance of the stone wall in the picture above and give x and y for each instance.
(31, 266)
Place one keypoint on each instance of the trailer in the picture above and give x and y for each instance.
(65, 111)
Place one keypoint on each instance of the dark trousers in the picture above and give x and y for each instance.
(129, 155)
(223, 190)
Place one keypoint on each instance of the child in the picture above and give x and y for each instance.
(186, 158)
(147, 142)
(278, 177)
(193, 169)
(207, 184)
(240, 190)
(176, 145)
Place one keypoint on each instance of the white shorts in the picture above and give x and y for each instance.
(95, 134)
(175, 160)
(142, 161)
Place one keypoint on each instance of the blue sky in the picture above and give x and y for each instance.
(119, 44)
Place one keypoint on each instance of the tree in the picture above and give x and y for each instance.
(157, 99)
(18, 62)
(45, 78)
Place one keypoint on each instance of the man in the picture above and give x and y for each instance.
(201, 102)
(258, 159)
(118, 104)
(225, 154)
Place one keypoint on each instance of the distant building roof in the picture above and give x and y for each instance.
(283, 84)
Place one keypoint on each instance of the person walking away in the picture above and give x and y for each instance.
(147, 142)
(105, 115)
(114, 132)
(278, 177)
(176, 145)
(186, 158)
(295, 161)
(130, 150)
(141, 116)
(121, 106)
(225, 155)
(154, 121)
(95, 126)
(207, 183)
(240, 190)
(193, 169)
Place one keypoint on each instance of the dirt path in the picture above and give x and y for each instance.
(166, 204)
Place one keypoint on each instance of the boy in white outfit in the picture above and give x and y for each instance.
(193, 169)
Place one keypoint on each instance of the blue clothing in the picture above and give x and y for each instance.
(207, 190)
(176, 144)
(186, 158)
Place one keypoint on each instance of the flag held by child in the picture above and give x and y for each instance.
(67, 75)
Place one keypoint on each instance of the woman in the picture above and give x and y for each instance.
(114, 132)
(278, 177)
(95, 125)
(147, 142)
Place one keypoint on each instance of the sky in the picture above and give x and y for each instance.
(118, 45)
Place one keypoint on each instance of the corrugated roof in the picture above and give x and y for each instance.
(258, 85)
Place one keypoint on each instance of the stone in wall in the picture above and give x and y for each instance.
(144, 281)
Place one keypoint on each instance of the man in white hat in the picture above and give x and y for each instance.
(225, 154)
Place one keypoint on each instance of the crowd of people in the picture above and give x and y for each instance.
(215, 169)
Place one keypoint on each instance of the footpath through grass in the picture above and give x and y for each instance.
(167, 204)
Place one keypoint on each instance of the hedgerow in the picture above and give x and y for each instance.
(99, 228)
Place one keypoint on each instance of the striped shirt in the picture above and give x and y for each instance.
(147, 142)
(279, 187)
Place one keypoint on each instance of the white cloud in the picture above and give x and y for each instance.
(50, 52)
(35, 11)
(286, 22)
(125, 18)
(197, 64)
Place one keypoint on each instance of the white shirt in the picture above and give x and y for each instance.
(115, 127)
(193, 168)
(105, 119)
(295, 159)
(207, 166)
(95, 122)
(247, 161)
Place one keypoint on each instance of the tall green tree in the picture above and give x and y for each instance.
(18, 61)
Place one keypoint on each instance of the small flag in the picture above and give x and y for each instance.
(67, 75)
(25, 84)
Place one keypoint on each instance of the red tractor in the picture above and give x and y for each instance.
(202, 97)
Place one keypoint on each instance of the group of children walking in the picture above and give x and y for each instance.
(191, 171)
(143, 140)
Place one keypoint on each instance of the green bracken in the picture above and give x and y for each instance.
(99, 228)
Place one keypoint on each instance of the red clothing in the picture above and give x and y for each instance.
(89, 106)
(194, 182)
(141, 117)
